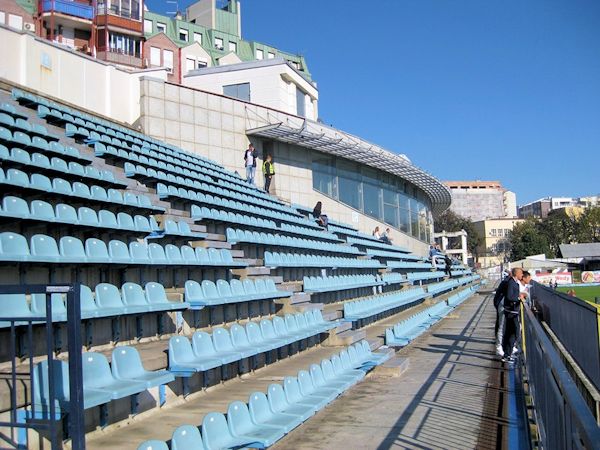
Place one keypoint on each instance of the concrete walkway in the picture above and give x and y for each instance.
(449, 398)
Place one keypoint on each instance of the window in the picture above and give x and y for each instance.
(190, 64)
(232, 47)
(371, 190)
(300, 102)
(240, 91)
(154, 56)
(168, 60)
(161, 27)
(148, 26)
(198, 38)
(260, 54)
(183, 35)
(349, 189)
(271, 55)
(493, 232)
(2, 17)
(219, 43)
(324, 176)
(15, 21)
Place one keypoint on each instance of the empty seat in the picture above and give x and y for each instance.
(71, 249)
(279, 403)
(127, 365)
(261, 413)
(183, 361)
(241, 426)
(98, 376)
(44, 248)
(187, 437)
(216, 434)
(154, 444)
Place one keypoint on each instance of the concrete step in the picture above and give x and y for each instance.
(393, 367)
(237, 253)
(292, 286)
(375, 343)
(249, 271)
(345, 326)
(216, 237)
(206, 243)
(339, 306)
(345, 338)
(250, 261)
(332, 315)
(293, 300)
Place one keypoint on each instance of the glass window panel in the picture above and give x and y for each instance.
(371, 201)
(404, 221)
(390, 215)
(414, 223)
(404, 202)
(349, 192)
(323, 176)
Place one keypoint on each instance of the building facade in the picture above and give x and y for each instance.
(495, 247)
(480, 200)
(544, 206)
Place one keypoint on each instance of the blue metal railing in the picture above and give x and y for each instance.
(69, 7)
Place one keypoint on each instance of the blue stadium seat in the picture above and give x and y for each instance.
(294, 396)
(223, 343)
(308, 388)
(216, 434)
(183, 361)
(203, 346)
(118, 252)
(242, 427)
(127, 365)
(87, 216)
(139, 253)
(153, 444)
(157, 298)
(96, 251)
(43, 249)
(187, 437)
(71, 250)
(15, 305)
(97, 375)
(38, 306)
(318, 379)
(279, 404)
(15, 207)
(109, 300)
(261, 414)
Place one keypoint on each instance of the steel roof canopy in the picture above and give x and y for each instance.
(335, 142)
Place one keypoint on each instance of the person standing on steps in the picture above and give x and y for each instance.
(512, 311)
(250, 163)
(268, 169)
(448, 262)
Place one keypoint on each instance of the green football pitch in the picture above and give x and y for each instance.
(584, 292)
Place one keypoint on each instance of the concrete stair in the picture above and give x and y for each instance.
(332, 315)
(251, 271)
(291, 286)
(208, 243)
(345, 338)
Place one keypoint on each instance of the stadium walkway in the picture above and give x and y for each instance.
(450, 397)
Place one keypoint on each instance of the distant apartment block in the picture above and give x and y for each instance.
(481, 200)
(542, 207)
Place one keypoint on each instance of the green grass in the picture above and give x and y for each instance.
(583, 292)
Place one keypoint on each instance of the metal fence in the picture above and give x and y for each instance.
(575, 323)
(563, 418)
(24, 414)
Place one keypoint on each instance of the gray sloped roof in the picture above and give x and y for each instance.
(588, 250)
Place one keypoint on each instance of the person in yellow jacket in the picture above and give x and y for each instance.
(268, 169)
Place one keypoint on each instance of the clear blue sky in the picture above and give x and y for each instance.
(478, 89)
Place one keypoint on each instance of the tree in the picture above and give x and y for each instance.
(589, 225)
(450, 221)
(527, 239)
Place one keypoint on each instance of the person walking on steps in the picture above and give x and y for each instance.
(268, 169)
(250, 163)
(448, 262)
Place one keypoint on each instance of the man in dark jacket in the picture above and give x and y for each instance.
(499, 305)
(512, 310)
(448, 262)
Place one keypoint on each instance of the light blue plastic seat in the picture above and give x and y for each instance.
(98, 193)
(241, 426)
(237, 290)
(183, 361)
(261, 414)
(142, 224)
(97, 375)
(81, 190)
(127, 365)
(125, 221)
(96, 251)
(71, 250)
(223, 343)
(59, 165)
(188, 255)
(308, 388)
(89, 171)
(187, 437)
(108, 298)
(156, 253)
(130, 199)
(115, 196)
(294, 395)
(240, 341)
(215, 257)
(173, 254)
(43, 248)
(15, 305)
(16, 207)
(87, 216)
(279, 403)
(203, 347)
(216, 434)
(193, 293)
(257, 340)
(20, 156)
(139, 253)
(38, 306)
(224, 291)
(153, 444)
(156, 297)
(61, 186)
(202, 256)
(118, 252)
(17, 178)
(332, 377)
(107, 219)
(268, 332)
(318, 379)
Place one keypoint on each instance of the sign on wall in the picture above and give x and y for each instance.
(590, 276)
(559, 278)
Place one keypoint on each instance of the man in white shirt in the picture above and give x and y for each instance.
(250, 163)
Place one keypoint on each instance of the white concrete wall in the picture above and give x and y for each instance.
(66, 75)
(215, 126)
(272, 86)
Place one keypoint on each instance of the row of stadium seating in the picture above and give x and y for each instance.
(275, 259)
(340, 282)
(39, 183)
(394, 255)
(378, 305)
(409, 329)
(71, 250)
(238, 236)
(223, 346)
(235, 291)
(267, 418)
(63, 213)
(22, 140)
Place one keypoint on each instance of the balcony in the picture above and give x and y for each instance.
(120, 58)
(70, 8)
